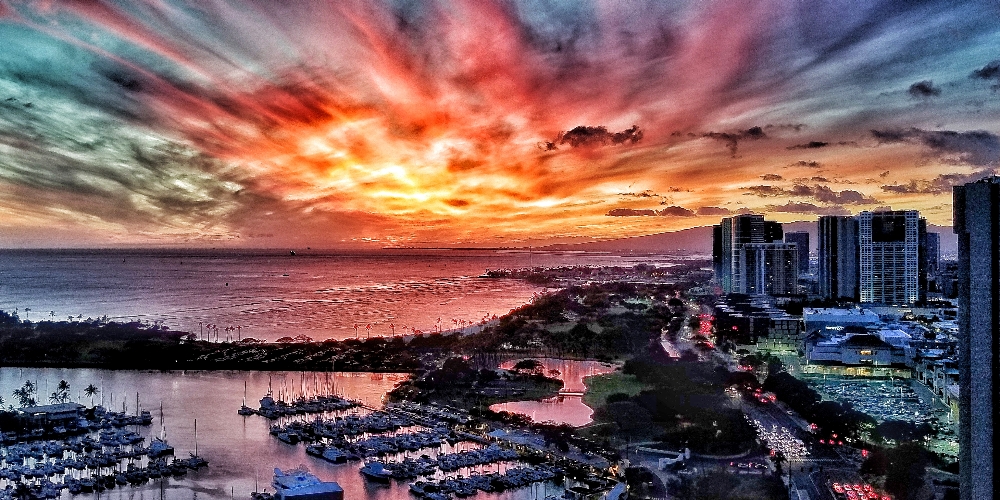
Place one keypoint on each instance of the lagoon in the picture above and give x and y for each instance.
(567, 407)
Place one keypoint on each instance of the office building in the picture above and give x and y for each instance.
(889, 244)
(729, 237)
(838, 257)
(717, 251)
(733, 233)
(768, 269)
(801, 241)
(977, 224)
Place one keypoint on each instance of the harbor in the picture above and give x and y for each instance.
(201, 416)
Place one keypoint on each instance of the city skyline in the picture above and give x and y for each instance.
(377, 124)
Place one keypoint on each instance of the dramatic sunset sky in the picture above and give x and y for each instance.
(388, 123)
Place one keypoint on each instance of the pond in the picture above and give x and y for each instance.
(567, 407)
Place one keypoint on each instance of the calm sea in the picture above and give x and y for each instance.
(271, 294)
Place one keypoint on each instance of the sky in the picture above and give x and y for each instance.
(472, 123)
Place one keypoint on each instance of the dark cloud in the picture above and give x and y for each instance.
(924, 88)
(596, 136)
(765, 191)
(675, 211)
(732, 139)
(807, 208)
(942, 184)
(989, 72)
(671, 211)
(794, 127)
(975, 147)
(803, 163)
(819, 179)
(714, 211)
(771, 177)
(645, 194)
(810, 145)
(629, 212)
(820, 193)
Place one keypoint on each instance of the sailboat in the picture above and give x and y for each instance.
(245, 410)
(158, 447)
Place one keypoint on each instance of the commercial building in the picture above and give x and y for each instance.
(977, 224)
(65, 414)
(816, 318)
(801, 241)
(889, 250)
(838, 257)
(753, 324)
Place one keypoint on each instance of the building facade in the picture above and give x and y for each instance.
(768, 269)
(728, 255)
(801, 241)
(889, 257)
(977, 224)
(838, 257)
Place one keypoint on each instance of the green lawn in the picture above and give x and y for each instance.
(599, 387)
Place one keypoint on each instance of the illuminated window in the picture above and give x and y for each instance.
(865, 353)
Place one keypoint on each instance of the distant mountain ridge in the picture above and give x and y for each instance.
(699, 240)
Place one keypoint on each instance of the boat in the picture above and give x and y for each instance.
(334, 455)
(245, 410)
(300, 484)
(376, 471)
(159, 448)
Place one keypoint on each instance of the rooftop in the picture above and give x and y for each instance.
(56, 408)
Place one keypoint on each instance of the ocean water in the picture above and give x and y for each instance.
(271, 294)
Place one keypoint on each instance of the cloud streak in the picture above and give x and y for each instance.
(453, 120)
(976, 147)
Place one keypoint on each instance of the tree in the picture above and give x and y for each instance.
(91, 391)
(904, 475)
(61, 394)
(25, 395)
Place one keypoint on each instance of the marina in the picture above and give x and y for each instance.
(410, 442)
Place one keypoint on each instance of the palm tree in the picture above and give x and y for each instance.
(63, 390)
(25, 395)
(91, 391)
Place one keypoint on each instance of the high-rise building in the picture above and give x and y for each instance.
(933, 254)
(889, 245)
(772, 231)
(838, 257)
(769, 268)
(717, 251)
(729, 238)
(801, 240)
(735, 232)
(977, 224)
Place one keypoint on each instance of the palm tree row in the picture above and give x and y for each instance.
(26, 395)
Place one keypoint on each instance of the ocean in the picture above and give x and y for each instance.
(273, 294)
